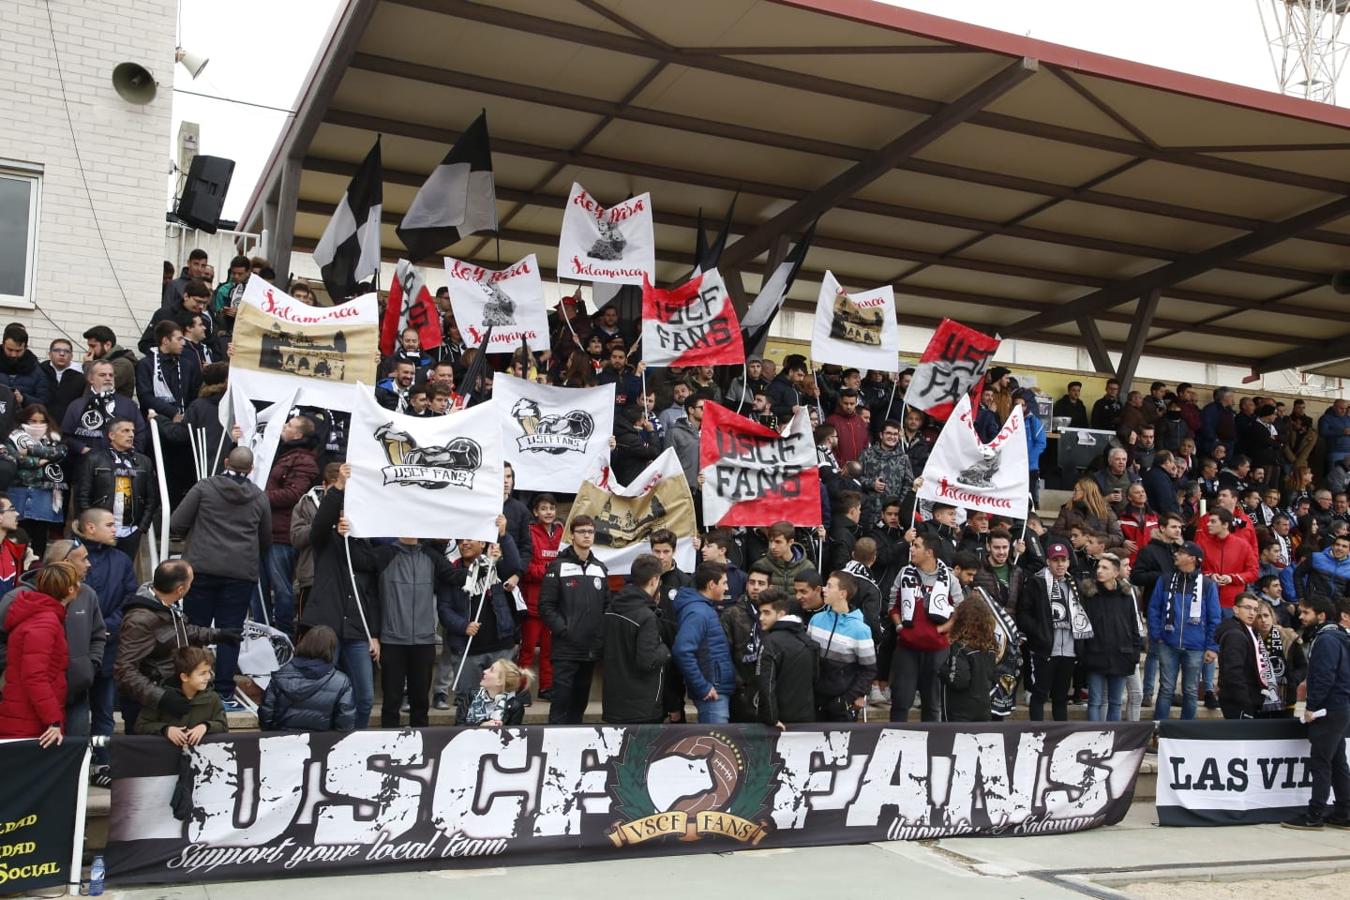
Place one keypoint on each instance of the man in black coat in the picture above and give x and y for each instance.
(1160, 483)
(788, 663)
(65, 383)
(635, 656)
(1240, 688)
(1071, 406)
(572, 602)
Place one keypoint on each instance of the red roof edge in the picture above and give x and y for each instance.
(920, 24)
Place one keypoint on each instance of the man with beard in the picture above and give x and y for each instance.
(392, 392)
(19, 369)
(849, 425)
(785, 391)
(998, 577)
(886, 471)
(102, 344)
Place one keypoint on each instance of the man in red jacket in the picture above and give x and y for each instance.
(546, 532)
(1229, 559)
(851, 428)
(1243, 527)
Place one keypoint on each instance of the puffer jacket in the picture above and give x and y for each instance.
(1330, 576)
(572, 602)
(111, 577)
(788, 667)
(35, 682)
(701, 650)
(150, 634)
(308, 695)
(545, 543)
(86, 635)
(24, 376)
(893, 468)
(293, 473)
(1115, 644)
(635, 660)
(784, 572)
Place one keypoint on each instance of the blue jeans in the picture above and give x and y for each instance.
(714, 712)
(1208, 670)
(222, 602)
(1170, 660)
(102, 700)
(354, 661)
(1104, 691)
(1151, 670)
(277, 569)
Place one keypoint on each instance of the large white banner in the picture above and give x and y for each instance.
(856, 330)
(511, 301)
(553, 437)
(627, 514)
(615, 244)
(437, 477)
(992, 477)
(260, 431)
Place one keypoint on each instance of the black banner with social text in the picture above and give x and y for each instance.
(325, 803)
(39, 790)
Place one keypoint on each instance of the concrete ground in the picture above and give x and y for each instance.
(1102, 863)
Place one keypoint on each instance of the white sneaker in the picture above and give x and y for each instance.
(874, 696)
(886, 695)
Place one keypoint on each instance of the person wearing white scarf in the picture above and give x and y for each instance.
(1051, 618)
(922, 600)
(1244, 667)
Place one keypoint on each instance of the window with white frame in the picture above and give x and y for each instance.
(20, 192)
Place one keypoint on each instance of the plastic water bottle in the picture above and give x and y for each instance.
(96, 873)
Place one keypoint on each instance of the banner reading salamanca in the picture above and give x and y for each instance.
(613, 244)
(753, 475)
(991, 477)
(324, 803)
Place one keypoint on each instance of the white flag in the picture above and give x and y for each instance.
(991, 477)
(553, 437)
(511, 301)
(856, 330)
(438, 477)
(627, 514)
(615, 244)
(261, 431)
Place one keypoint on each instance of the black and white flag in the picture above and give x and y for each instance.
(757, 319)
(349, 251)
(458, 199)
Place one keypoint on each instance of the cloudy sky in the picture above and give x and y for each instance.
(260, 51)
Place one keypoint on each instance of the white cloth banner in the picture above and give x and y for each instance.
(438, 477)
(261, 431)
(511, 301)
(553, 437)
(963, 472)
(856, 330)
(616, 244)
(626, 514)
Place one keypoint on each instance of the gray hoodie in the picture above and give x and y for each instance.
(228, 525)
(410, 575)
(85, 633)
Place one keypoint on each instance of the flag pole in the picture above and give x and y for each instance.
(165, 506)
(745, 385)
(1023, 536)
(487, 588)
(356, 592)
(196, 454)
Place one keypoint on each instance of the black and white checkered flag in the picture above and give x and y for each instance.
(349, 251)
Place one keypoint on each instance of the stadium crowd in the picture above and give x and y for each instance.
(1204, 559)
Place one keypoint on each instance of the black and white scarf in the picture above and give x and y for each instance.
(1270, 684)
(1066, 605)
(99, 410)
(937, 600)
(1003, 693)
(1195, 604)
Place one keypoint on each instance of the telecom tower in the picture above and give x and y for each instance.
(1305, 45)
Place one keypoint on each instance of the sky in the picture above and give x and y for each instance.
(1220, 39)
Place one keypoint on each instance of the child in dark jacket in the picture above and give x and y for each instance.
(195, 667)
(966, 679)
(500, 700)
(308, 693)
(788, 663)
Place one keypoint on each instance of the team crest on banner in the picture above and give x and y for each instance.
(510, 301)
(990, 477)
(752, 475)
(626, 515)
(614, 244)
(553, 437)
(436, 477)
(951, 367)
(692, 325)
(857, 330)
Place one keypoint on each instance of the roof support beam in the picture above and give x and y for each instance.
(1308, 355)
(1187, 267)
(1096, 347)
(1138, 337)
(288, 199)
(878, 163)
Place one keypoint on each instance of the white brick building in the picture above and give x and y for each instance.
(52, 258)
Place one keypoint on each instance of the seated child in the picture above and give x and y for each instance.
(202, 712)
(309, 693)
(501, 696)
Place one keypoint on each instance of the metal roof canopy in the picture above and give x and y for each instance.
(1028, 188)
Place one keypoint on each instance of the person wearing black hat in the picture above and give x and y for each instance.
(1183, 616)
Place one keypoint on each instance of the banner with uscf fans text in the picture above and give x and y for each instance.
(37, 813)
(325, 803)
(752, 475)
(1240, 772)
(691, 325)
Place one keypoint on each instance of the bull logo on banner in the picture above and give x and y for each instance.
(428, 467)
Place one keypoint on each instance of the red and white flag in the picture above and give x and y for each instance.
(752, 475)
(410, 305)
(692, 325)
(992, 477)
(951, 367)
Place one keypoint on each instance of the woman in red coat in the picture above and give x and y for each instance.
(34, 705)
(1137, 520)
(545, 535)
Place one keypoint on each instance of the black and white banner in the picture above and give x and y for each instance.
(553, 437)
(1232, 772)
(326, 803)
(39, 793)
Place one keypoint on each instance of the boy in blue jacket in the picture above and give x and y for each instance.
(701, 650)
(848, 658)
(1327, 714)
(1183, 615)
